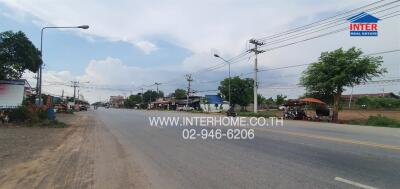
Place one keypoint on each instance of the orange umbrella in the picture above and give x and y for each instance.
(312, 100)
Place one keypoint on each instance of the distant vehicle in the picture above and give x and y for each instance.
(184, 108)
(83, 108)
(231, 112)
(60, 108)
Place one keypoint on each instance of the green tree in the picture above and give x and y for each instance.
(133, 101)
(339, 69)
(17, 54)
(241, 90)
(261, 99)
(280, 99)
(150, 95)
(269, 102)
(180, 94)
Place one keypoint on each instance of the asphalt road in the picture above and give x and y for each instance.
(297, 155)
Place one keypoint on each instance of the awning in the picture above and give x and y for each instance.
(314, 100)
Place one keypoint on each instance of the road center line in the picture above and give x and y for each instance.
(334, 139)
(354, 183)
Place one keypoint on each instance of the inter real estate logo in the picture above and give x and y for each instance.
(363, 24)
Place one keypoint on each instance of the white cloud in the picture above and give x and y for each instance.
(146, 46)
(195, 25)
(109, 76)
(200, 26)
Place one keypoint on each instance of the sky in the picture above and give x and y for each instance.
(133, 44)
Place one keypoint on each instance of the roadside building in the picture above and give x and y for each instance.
(356, 96)
(161, 103)
(194, 103)
(116, 101)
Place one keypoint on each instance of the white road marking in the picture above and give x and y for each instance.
(354, 183)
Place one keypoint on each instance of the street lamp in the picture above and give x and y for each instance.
(229, 72)
(39, 78)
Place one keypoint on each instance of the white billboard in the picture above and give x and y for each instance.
(11, 94)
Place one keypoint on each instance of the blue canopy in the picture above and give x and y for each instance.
(214, 99)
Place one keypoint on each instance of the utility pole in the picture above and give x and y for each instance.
(142, 91)
(157, 86)
(78, 94)
(75, 84)
(62, 94)
(256, 52)
(189, 79)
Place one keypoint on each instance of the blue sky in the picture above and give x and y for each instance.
(65, 50)
(136, 43)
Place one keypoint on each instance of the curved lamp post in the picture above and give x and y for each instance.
(39, 78)
(229, 72)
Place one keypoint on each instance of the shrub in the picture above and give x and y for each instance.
(20, 114)
(378, 102)
(380, 121)
(24, 114)
(42, 114)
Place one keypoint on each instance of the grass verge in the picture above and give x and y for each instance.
(48, 123)
(258, 114)
(379, 121)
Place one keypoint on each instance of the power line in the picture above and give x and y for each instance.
(319, 21)
(242, 55)
(320, 28)
(306, 64)
(319, 36)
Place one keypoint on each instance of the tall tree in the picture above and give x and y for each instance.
(241, 90)
(339, 69)
(280, 99)
(133, 101)
(17, 54)
(150, 96)
(261, 99)
(180, 94)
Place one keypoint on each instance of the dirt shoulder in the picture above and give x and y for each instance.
(20, 144)
(83, 155)
(30, 155)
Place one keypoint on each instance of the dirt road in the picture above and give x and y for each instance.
(73, 157)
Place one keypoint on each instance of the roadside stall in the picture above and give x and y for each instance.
(296, 109)
(321, 109)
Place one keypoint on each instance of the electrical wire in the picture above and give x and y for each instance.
(344, 15)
